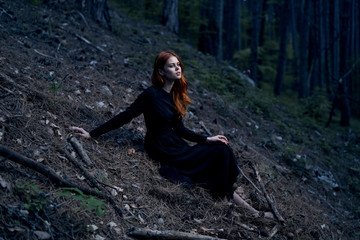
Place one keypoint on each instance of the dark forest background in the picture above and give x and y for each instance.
(302, 51)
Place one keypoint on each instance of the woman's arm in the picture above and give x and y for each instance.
(140, 105)
(187, 134)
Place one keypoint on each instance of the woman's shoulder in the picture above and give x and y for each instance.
(152, 91)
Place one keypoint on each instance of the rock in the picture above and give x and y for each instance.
(326, 177)
(161, 221)
(98, 237)
(112, 224)
(92, 227)
(100, 104)
(42, 235)
(106, 90)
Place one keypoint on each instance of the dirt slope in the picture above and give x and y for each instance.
(59, 69)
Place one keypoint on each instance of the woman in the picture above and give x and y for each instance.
(210, 163)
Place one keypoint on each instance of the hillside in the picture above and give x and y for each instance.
(59, 69)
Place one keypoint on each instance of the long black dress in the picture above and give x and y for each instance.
(211, 165)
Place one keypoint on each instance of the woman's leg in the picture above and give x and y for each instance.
(241, 202)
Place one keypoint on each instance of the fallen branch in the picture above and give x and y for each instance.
(8, 14)
(271, 162)
(51, 174)
(83, 18)
(249, 180)
(7, 90)
(43, 54)
(167, 234)
(92, 180)
(205, 128)
(89, 43)
(10, 80)
(246, 227)
(79, 148)
(273, 231)
(266, 195)
(78, 165)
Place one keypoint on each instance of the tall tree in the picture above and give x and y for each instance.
(345, 43)
(229, 29)
(255, 32)
(219, 9)
(294, 38)
(322, 44)
(170, 16)
(304, 50)
(98, 10)
(327, 37)
(314, 46)
(336, 43)
(210, 40)
(281, 63)
(237, 17)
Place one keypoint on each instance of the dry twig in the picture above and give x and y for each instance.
(89, 43)
(51, 174)
(271, 162)
(205, 128)
(167, 234)
(266, 195)
(79, 148)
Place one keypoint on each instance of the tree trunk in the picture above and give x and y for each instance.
(304, 50)
(237, 11)
(210, 40)
(263, 8)
(336, 45)
(170, 15)
(327, 37)
(284, 23)
(230, 25)
(322, 16)
(98, 10)
(255, 32)
(219, 7)
(294, 38)
(345, 42)
(314, 51)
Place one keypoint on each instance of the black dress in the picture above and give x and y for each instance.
(211, 165)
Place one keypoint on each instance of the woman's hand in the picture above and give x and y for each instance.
(81, 132)
(217, 138)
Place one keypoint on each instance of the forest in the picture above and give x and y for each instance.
(277, 78)
(305, 49)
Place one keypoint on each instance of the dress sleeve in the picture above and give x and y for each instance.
(135, 109)
(187, 134)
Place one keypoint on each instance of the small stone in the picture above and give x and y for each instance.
(42, 235)
(112, 224)
(98, 237)
(161, 221)
(106, 90)
(290, 235)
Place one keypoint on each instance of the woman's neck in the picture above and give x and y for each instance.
(168, 86)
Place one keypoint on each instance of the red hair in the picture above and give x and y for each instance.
(179, 89)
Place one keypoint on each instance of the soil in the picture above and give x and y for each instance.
(58, 69)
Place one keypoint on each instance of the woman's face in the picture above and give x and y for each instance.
(171, 70)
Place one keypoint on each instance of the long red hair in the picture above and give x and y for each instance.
(179, 89)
